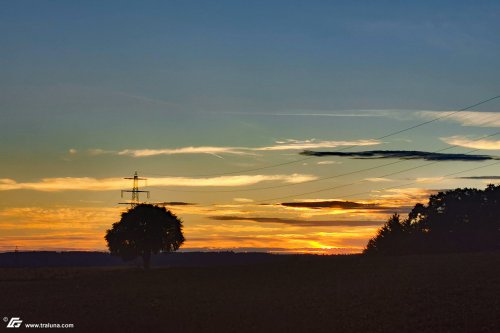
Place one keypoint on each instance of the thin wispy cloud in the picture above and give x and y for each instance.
(145, 99)
(402, 196)
(328, 162)
(243, 200)
(378, 180)
(430, 180)
(185, 150)
(292, 144)
(364, 113)
(464, 141)
(106, 184)
(298, 144)
(53, 217)
(402, 155)
(283, 145)
(465, 118)
(99, 151)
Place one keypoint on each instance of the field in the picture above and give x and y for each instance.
(438, 293)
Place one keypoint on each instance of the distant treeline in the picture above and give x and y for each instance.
(94, 259)
(460, 220)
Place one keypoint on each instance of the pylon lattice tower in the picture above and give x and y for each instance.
(135, 191)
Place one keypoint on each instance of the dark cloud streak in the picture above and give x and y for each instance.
(337, 204)
(301, 223)
(480, 177)
(331, 204)
(175, 203)
(403, 155)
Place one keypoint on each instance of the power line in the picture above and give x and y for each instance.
(247, 170)
(316, 180)
(440, 117)
(354, 183)
(346, 147)
(390, 187)
(412, 183)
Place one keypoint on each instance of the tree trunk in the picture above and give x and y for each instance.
(146, 259)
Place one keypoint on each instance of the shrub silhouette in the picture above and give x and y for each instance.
(453, 221)
(143, 230)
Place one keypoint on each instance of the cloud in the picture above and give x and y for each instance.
(184, 150)
(98, 151)
(378, 180)
(286, 243)
(243, 200)
(297, 222)
(50, 217)
(480, 177)
(175, 203)
(403, 155)
(463, 141)
(404, 196)
(145, 99)
(235, 249)
(434, 180)
(56, 242)
(107, 184)
(328, 162)
(320, 113)
(466, 118)
(373, 208)
(289, 144)
(292, 144)
(330, 204)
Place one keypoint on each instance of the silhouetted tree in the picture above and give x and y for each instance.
(144, 230)
(388, 238)
(453, 221)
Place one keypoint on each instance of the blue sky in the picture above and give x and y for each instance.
(86, 85)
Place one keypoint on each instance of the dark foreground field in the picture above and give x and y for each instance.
(441, 293)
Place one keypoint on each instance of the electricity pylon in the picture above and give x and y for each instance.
(135, 191)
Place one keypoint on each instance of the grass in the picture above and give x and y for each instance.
(435, 293)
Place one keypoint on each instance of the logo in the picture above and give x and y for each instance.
(14, 322)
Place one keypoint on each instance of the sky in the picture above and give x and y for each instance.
(264, 125)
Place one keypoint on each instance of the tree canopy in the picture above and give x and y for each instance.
(464, 219)
(144, 230)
